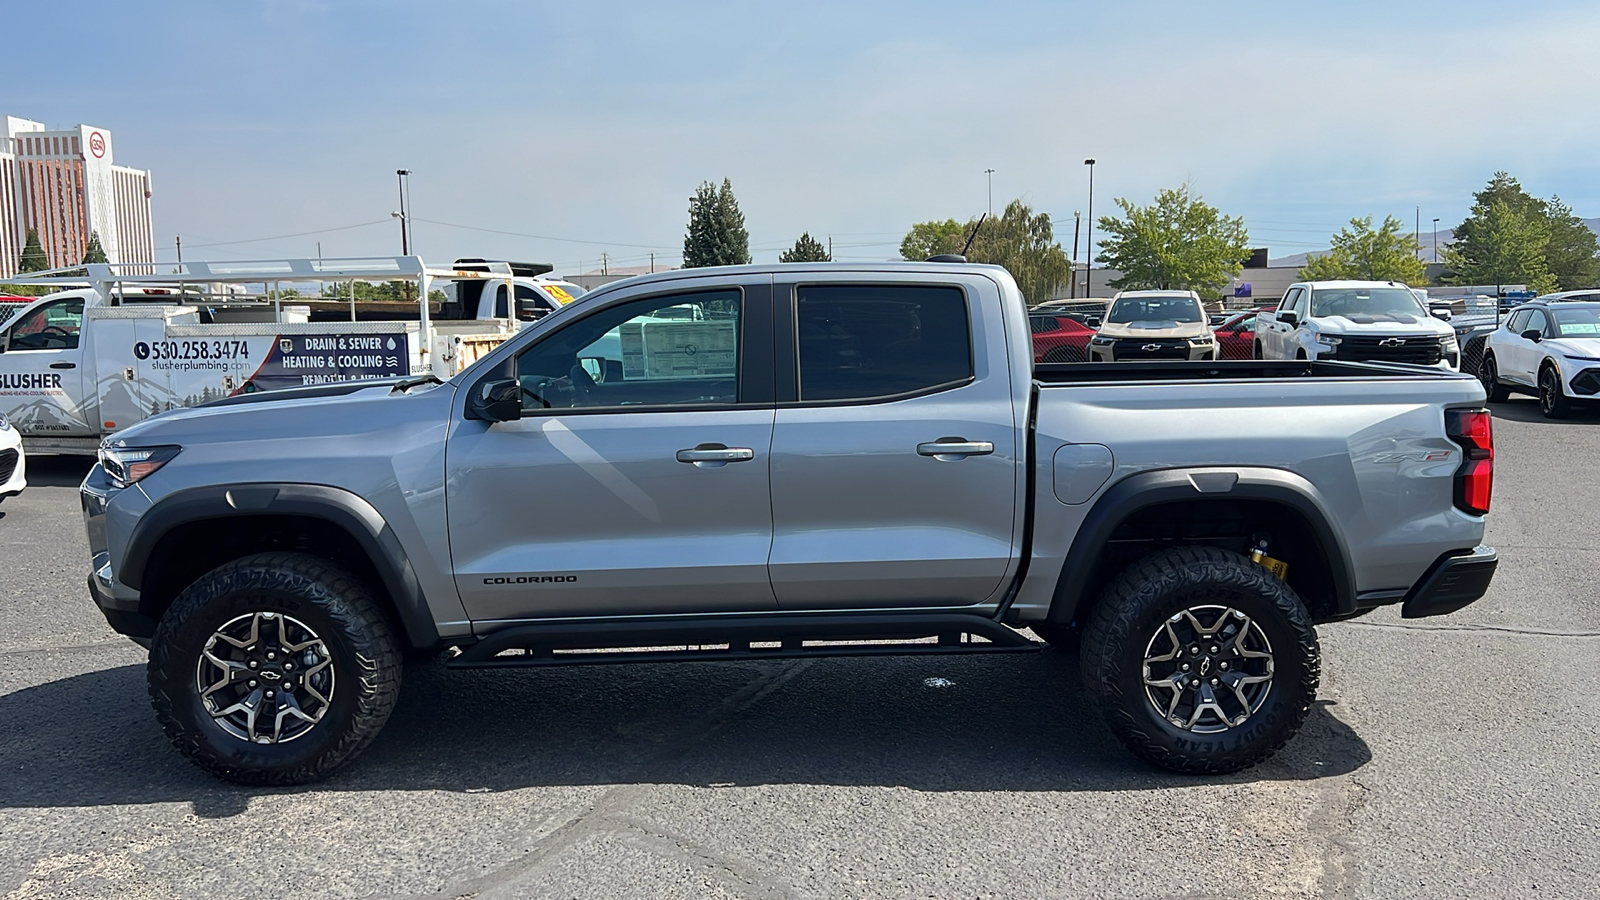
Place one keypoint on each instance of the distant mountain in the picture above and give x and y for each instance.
(1445, 237)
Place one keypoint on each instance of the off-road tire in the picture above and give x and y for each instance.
(1489, 374)
(1553, 400)
(325, 597)
(1136, 605)
(1064, 637)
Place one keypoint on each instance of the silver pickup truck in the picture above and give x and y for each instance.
(773, 462)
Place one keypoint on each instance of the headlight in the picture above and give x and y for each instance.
(1328, 339)
(1202, 339)
(1448, 342)
(130, 465)
(1102, 341)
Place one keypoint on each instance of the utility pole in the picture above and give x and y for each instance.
(179, 241)
(990, 173)
(1416, 236)
(652, 262)
(1436, 240)
(1077, 219)
(1088, 271)
(604, 265)
(830, 248)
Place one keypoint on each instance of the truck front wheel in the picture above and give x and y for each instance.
(1200, 660)
(273, 669)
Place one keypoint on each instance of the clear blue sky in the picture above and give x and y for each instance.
(595, 121)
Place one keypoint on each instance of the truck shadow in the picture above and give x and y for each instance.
(995, 723)
(1526, 409)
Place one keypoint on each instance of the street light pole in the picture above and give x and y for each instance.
(990, 173)
(1088, 272)
(1436, 240)
(401, 177)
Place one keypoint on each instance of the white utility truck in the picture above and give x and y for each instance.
(123, 343)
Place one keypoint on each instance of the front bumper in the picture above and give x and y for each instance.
(117, 602)
(1453, 581)
(13, 471)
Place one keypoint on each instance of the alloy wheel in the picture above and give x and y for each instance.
(1208, 669)
(265, 677)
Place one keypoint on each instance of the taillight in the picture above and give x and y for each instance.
(1475, 479)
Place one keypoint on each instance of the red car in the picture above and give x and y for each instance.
(1236, 337)
(9, 305)
(1059, 338)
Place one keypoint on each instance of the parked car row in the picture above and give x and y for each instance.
(1346, 321)
(1549, 348)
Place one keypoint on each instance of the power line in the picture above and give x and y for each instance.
(282, 237)
(545, 237)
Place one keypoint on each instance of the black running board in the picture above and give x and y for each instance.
(739, 638)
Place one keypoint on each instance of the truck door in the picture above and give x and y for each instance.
(636, 481)
(894, 457)
(41, 371)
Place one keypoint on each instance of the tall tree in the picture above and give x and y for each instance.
(94, 253)
(1024, 242)
(806, 249)
(1568, 246)
(1018, 239)
(1506, 246)
(716, 234)
(1177, 242)
(33, 258)
(1571, 252)
(1388, 254)
(927, 239)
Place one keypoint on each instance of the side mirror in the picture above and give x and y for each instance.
(1289, 317)
(1441, 314)
(496, 401)
(1533, 334)
(1092, 321)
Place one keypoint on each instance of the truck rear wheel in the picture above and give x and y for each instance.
(1200, 660)
(273, 669)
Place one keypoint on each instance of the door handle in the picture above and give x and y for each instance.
(63, 365)
(947, 449)
(715, 455)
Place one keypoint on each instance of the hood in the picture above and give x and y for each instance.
(1399, 326)
(289, 417)
(1165, 329)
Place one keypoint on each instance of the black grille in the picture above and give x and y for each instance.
(1422, 351)
(8, 464)
(1156, 349)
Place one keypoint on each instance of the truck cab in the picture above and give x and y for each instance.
(1356, 321)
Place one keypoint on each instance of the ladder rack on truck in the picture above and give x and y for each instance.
(120, 342)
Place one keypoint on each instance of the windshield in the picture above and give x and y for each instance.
(1375, 301)
(1155, 309)
(564, 292)
(1576, 322)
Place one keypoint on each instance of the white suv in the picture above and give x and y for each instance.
(13, 465)
(1550, 349)
(1359, 321)
(1145, 325)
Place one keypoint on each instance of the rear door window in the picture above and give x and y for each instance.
(871, 342)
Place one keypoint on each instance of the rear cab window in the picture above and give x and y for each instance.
(879, 342)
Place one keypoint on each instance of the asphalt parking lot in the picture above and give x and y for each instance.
(1449, 757)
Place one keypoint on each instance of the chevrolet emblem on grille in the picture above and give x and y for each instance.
(1150, 348)
(1391, 342)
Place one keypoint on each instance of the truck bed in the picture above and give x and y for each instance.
(1228, 370)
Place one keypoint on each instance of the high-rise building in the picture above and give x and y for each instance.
(64, 185)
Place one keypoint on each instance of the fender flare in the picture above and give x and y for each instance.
(339, 507)
(1147, 489)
